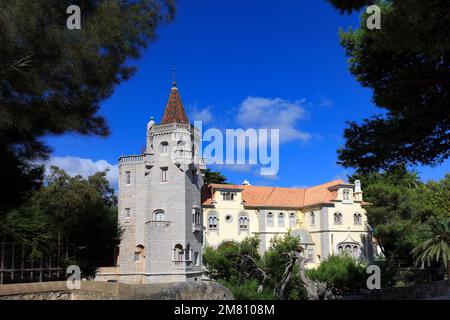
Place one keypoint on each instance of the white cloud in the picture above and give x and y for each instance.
(84, 167)
(325, 102)
(203, 115)
(257, 112)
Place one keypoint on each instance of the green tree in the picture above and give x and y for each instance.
(437, 246)
(406, 64)
(82, 211)
(435, 194)
(341, 272)
(214, 177)
(395, 212)
(239, 267)
(52, 79)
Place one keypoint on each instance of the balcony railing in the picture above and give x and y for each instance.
(159, 223)
(196, 227)
(143, 158)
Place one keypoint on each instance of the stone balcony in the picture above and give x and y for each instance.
(146, 158)
(159, 224)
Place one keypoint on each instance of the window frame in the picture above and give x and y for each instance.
(164, 174)
(214, 218)
(338, 221)
(280, 220)
(269, 217)
(243, 217)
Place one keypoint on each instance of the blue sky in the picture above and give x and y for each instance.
(282, 54)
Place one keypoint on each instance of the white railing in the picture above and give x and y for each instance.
(137, 158)
(132, 159)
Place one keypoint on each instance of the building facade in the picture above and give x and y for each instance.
(169, 216)
(328, 218)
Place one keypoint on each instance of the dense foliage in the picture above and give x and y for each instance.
(342, 272)
(82, 211)
(401, 210)
(52, 79)
(239, 267)
(437, 246)
(406, 64)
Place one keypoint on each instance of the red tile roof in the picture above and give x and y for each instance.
(258, 196)
(174, 112)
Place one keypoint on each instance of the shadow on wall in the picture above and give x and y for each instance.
(92, 290)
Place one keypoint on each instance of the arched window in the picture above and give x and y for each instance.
(357, 218)
(270, 219)
(213, 221)
(281, 219)
(292, 220)
(139, 253)
(338, 218)
(312, 218)
(164, 147)
(243, 222)
(349, 248)
(160, 215)
(355, 252)
(178, 253)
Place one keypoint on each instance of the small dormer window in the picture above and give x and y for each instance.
(228, 196)
(347, 193)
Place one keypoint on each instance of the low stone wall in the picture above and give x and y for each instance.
(90, 290)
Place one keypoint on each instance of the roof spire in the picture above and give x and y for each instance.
(174, 81)
(174, 111)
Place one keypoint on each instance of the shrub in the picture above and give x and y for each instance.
(341, 272)
(247, 290)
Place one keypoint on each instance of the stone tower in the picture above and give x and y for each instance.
(160, 202)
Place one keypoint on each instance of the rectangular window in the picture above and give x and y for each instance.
(127, 213)
(128, 177)
(136, 256)
(270, 220)
(196, 259)
(164, 174)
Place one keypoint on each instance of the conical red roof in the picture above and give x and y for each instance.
(174, 112)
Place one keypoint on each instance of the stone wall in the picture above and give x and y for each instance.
(93, 290)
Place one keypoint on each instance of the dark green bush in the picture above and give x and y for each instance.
(341, 272)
